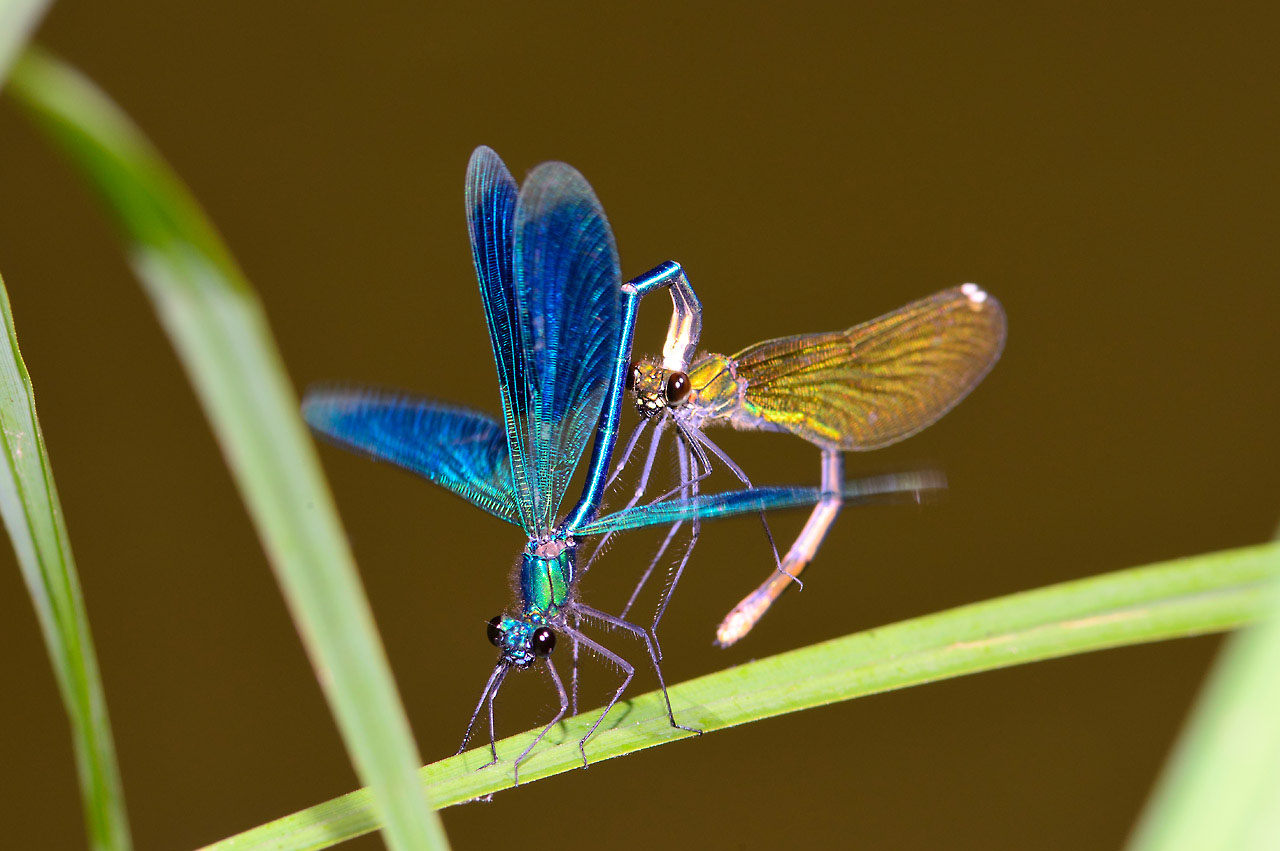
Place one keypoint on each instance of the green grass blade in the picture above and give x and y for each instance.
(33, 516)
(220, 331)
(1190, 596)
(18, 20)
(1221, 788)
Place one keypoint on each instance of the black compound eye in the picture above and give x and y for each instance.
(633, 377)
(677, 388)
(543, 641)
(494, 631)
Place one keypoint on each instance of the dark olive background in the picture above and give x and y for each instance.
(1110, 176)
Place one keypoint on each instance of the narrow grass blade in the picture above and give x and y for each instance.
(1221, 788)
(220, 331)
(1190, 596)
(18, 20)
(33, 516)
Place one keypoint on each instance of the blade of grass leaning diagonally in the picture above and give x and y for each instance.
(1191, 596)
(33, 516)
(18, 20)
(221, 334)
(1221, 788)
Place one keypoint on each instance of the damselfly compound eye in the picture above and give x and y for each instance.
(677, 388)
(633, 377)
(494, 632)
(544, 641)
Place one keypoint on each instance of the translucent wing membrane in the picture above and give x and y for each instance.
(549, 277)
(752, 500)
(569, 312)
(491, 210)
(880, 381)
(456, 448)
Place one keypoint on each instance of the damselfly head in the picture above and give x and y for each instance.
(656, 388)
(521, 642)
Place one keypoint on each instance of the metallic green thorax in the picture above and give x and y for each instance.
(716, 386)
(546, 573)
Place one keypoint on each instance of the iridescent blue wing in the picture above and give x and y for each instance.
(753, 500)
(462, 450)
(491, 211)
(569, 316)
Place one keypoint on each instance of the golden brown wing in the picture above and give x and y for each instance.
(880, 381)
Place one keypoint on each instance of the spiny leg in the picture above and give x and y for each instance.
(626, 453)
(493, 736)
(695, 526)
(493, 732)
(644, 579)
(649, 645)
(626, 456)
(628, 671)
(700, 438)
(641, 486)
(747, 613)
(573, 677)
(490, 689)
(683, 488)
(564, 707)
(689, 485)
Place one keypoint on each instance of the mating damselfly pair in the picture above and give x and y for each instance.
(561, 324)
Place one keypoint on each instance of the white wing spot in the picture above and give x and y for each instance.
(975, 293)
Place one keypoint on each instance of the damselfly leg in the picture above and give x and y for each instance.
(650, 646)
(628, 672)
(490, 690)
(564, 707)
